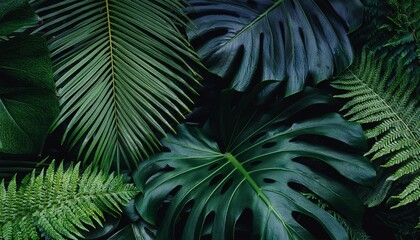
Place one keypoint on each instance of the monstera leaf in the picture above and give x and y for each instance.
(284, 40)
(138, 230)
(28, 101)
(255, 171)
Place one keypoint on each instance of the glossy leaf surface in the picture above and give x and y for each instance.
(28, 101)
(289, 40)
(253, 161)
(121, 72)
(15, 14)
(139, 231)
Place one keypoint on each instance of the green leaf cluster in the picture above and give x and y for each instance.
(28, 102)
(263, 153)
(122, 72)
(58, 203)
(388, 99)
(391, 29)
(249, 159)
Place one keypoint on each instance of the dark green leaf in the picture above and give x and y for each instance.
(258, 165)
(286, 40)
(28, 102)
(137, 231)
(123, 73)
(107, 228)
(15, 14)
(21, 165)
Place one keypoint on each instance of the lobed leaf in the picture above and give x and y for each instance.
(285, 40)
(250, 161)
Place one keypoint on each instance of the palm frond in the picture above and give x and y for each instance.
(386, 98)
(58, 203)
(20, 166)
(123, 73)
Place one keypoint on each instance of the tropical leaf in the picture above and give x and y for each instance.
(15, 14)
(386, 99)
(404, 26)
(138, 230)
(108, 226)
(58, 203)
(249, 166)
(122, 71)
(355, 233)
(284, 40)
(19, 165)
(28, 101)
(390, 30)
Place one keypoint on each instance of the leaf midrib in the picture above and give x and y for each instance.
(252, 23)
(112, 62)
(232, 159)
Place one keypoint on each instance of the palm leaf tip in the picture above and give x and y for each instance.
(123, 70)
(59, 203)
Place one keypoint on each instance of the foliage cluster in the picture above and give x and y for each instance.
(269, 119)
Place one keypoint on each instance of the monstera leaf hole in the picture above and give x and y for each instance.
(163, 207)
(215, 179)
(317, 231)
(208, 222)
(243, 226)
(250, 166)
(254, 138)
(308, 222)
(167, 168)
(320, 167)
(180, 224)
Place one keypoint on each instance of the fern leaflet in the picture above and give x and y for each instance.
(59, 202)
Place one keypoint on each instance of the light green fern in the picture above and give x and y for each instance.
(57, 203)
(385, 97)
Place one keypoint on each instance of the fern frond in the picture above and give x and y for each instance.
(60, 202)
(384, 97)
(397, 34)
(411, 192)
(376, 195)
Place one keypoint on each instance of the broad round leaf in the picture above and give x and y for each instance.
(252, 161)
(28, 102)
(123, 74)
(284, 40)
